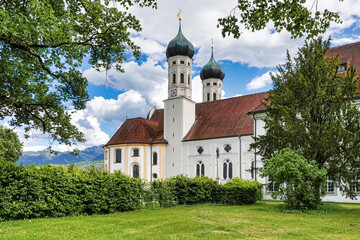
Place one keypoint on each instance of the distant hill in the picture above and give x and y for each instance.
(90, 154)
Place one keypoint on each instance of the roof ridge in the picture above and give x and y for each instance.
(344, 46)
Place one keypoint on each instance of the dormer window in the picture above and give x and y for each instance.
(200, 150)
(342, 67)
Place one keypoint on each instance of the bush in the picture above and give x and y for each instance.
(297, 181)
(56, 191)
(191, 191)
(239, 191)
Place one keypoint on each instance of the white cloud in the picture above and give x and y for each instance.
(259, 82)
(148, 79)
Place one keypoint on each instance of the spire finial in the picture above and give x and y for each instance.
(179, 14)
(212, 46)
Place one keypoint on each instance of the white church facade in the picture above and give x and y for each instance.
(211, 138)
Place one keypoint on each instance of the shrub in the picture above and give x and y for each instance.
(56, 191)
(297, 181)
(239, 191)
(193, 190)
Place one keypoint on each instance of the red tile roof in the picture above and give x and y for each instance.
(225, 118)
(349, 54)
(141, 130)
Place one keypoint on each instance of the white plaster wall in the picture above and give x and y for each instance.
(183, 89)
(212, 88)
(337, 196)
(208, 157)
(179, 114)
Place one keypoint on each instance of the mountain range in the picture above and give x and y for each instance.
(89, 154)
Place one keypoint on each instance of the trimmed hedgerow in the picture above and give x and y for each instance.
(239, 191)
(57, 191)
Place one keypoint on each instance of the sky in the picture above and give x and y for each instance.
(247, 62)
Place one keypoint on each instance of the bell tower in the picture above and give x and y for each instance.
(179, 53)
(179, 108)
(212, 75)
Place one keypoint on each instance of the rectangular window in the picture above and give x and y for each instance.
(355, 185)
(330, 186)
(135, 152)
(214, 83)
(182, 62)
(270, 185)
(118, 155)
(174, 63)
(342, 67)
(208, 84)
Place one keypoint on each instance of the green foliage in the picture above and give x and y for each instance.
(295, 180)
(56, 191)
(238, 191)
(43, 44)
(10, 145)
(311, 109)
(193, 190)
(292, 16)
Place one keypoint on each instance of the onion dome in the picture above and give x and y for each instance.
(212, 69)
(180, 46)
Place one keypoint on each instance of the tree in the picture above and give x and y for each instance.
(311, 110)
(42, 45)
(293, 179)
(10, 145)
(292, 15)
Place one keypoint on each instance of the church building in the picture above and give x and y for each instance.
(211, 138)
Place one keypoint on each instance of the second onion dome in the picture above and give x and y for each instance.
(212, 69)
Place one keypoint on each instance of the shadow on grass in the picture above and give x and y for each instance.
(324, 208)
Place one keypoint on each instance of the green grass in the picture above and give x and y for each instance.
(260, 221)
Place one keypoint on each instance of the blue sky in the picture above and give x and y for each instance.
(246, 61)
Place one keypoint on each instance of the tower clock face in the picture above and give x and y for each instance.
(173, 93)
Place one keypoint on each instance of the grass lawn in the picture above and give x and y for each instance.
(259, 221)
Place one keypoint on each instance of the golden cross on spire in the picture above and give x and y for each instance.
(179, 14)
(212, 41)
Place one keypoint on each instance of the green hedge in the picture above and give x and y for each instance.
(57, 191)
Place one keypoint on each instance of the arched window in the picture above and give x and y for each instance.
(208, 97)
(200, 169)
(182, 78)
(136, 171)
(155, 158)
(214, 96)
(174, 78)
(154, 176)
(189, 80)
(227, 169)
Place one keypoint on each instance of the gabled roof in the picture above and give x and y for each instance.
(349, 54)
(225, 118)
(141, 130)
